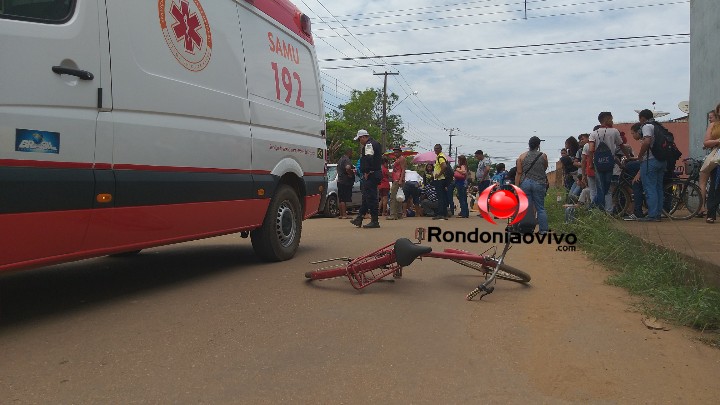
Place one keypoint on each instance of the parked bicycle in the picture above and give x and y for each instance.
(681, 198)
(391, 259)
(684, 192)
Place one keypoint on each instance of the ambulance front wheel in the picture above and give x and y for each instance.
(279, 236)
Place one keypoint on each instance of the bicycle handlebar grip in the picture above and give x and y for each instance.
(481, 288)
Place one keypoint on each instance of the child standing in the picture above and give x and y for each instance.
(500, 175)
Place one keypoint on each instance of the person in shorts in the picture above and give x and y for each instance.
(413, 183)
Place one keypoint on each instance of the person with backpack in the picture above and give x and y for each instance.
(603, 143)
(531, 177)
(652, 169)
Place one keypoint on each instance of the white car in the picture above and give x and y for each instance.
(332, 209)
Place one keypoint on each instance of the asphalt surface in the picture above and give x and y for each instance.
(206, 322)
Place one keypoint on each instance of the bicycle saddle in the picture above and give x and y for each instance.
(406, 252)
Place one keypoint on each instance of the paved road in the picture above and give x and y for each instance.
(205, 322)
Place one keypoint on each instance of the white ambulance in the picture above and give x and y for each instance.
(127, 124)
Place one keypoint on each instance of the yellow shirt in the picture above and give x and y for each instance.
(715, 131)
(437, 170)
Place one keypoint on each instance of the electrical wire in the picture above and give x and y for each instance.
(419, 62)
(499, 21)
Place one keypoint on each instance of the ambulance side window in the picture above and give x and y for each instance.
(47, 11)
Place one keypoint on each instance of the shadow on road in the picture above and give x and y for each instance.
(31, 294)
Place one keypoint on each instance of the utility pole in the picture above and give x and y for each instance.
(384, 124)
(451, 135)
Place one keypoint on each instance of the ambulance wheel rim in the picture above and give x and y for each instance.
(286, 224)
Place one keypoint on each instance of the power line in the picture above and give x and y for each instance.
(503, 20)
(514, 47)
(516, 54)
(418, 8)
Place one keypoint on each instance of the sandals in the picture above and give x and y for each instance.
(701, 214)
(709, 220)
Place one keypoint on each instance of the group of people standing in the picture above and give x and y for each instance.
(380, 185)
(594, 172)
(592, 183)
(439, 183)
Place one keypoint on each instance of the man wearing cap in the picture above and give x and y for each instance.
(398, 177)
(531, 178)
(371, 172)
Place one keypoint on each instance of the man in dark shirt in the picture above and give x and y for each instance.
(568, 169)
(371, 172)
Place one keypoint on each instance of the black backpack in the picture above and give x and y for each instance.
(663, 146)
(529, 221)
(603, 158)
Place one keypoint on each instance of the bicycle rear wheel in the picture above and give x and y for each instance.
(684, 199)
(505, 272)
(623, 201)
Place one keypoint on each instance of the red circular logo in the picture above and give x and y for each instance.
(187, 32)
(507, 202)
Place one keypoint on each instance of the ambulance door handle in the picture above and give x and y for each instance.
(82, 74)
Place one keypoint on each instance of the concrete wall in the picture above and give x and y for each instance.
(704, 67)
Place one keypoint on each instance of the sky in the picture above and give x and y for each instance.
(506, 90)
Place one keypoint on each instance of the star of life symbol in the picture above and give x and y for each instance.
(187, 32)
(186, 26)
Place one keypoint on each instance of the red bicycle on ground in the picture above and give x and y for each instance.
(390, 260)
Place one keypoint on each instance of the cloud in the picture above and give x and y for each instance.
(509, 99)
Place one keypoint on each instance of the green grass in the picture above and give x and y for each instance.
(663, 280)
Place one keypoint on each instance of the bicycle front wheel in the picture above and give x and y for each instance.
(505, 272)
(683, 199)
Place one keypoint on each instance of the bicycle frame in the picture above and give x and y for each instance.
(375, 266)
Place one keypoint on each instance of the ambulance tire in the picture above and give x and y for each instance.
(279, 236)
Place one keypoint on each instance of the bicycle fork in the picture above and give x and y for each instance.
(486, 288)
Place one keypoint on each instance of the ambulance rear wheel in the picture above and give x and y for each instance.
(279, 236)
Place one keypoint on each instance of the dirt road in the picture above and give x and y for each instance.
(205, 322)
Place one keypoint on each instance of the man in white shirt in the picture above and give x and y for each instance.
(483, 171)
(411, 188)
(611, 137)
(651, 169)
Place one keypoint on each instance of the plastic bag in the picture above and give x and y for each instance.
(400, 197)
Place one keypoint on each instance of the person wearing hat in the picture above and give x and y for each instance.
(531, 178)
(398, 178)
(371, 172)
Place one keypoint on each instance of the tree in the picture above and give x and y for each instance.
(363, 111)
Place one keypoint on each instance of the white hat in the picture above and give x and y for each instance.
(360, 133)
